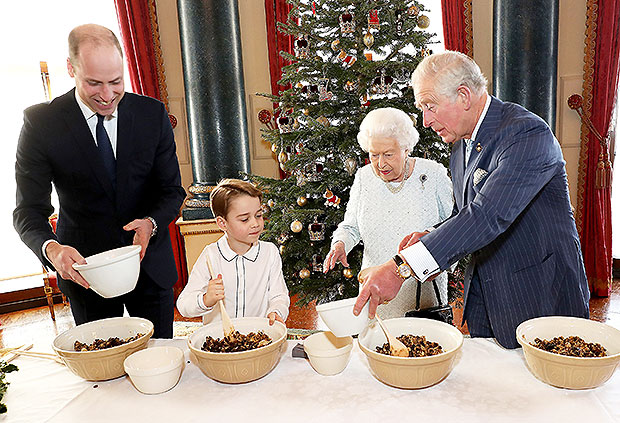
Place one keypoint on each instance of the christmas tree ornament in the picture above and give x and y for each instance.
(283, 157)
(313, 171)
(402, 76)
(317, 263)
(283, 238)
(299, 147)
(301, 47)
(347, 23)
(413, 11)
(368, 56)
(424, 21)
(285, 124)
(323, 121)
(335, 45)
(350, 86)
(283, 167)
(302, 201)
(304, 273)
(347, 273)
(296, 124)
(271, 203)
(265, 208)
(373, 19)
(350, 165)
(296, 226)
(369, 40)
(266, 117)
(316, 230)
(364, 101)
(282, 249)
(324, 95)
(382, 83)
(274, 148)
(306, 112)
(331, 199)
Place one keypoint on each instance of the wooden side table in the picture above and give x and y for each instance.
(197, 234)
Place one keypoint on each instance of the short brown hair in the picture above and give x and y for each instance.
(229, 189)
(90, 33)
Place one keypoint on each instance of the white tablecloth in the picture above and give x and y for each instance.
(488, 383)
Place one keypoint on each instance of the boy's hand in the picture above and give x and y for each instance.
(273, 316)
(215, 291)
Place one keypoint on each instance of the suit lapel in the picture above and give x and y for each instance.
(124, 148)
(84, 141)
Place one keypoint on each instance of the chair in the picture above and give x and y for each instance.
(50, 281)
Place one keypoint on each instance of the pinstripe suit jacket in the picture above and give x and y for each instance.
(512, 213)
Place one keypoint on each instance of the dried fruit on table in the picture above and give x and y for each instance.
(100, 344)
(236, 342)
(573, 346)
(418, 346)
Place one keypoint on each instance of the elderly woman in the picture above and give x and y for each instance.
(392, 197)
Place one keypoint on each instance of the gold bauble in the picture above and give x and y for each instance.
(283, 167)
(274, 148)
(424, 21)
(323, 121)
(306, 112)
(347, 272)
(335, 44)
(369, 40)
(282, 249)
(296, 226)
(302, 201)
(282, 157)
(304, 273)
(271, 203)
(413, 11)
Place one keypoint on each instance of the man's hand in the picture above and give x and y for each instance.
(273, 316)
(143, 229)
(63, 257)
(410, 239)
(381, 284)
(215, 291)
(337, 254)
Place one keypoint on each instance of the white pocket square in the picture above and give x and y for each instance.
(479, 175)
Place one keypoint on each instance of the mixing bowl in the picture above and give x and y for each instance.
(327, 353)
(339, 317)
(155, 370)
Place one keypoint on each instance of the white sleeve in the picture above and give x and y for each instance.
(279, 300)
(190, 302)
(445, 197)
(420, 260)
(348, 230)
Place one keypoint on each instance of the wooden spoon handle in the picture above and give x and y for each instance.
(397, 348)
(226, 322)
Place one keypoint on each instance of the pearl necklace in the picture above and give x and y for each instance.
(396, 189)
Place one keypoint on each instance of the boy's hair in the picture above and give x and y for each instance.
(229, 189)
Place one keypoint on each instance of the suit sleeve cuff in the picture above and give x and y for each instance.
(44, 246)
(420, 260)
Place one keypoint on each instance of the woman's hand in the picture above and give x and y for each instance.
(336, 254)
(410, 239)
(215, 291)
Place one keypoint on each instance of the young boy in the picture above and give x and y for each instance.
(248, 272)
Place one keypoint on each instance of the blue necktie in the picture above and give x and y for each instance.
(105, 149)
(468, 146)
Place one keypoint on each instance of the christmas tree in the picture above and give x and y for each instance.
(350, 57)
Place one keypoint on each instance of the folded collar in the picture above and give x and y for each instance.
(230, 255)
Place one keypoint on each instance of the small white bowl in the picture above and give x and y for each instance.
(155, 370)
(328, 354)
(113, 272)
(339, 317)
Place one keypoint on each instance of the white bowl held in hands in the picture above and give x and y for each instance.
(328, 354)
(339, 317)
(155, 370)
(412, 372)
(565, 371)
(113, 272)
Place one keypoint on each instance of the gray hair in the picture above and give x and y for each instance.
(448, 71)
(388, 122)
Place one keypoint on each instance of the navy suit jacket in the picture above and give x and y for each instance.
(512, 213)
(56, 146)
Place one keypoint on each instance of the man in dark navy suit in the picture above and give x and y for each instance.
(512, 210)
(111, 157)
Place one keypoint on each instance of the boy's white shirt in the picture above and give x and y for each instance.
(253, 283)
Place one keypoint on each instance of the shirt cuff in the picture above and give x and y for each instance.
(45, 244)
(201, 303)
(420, 260)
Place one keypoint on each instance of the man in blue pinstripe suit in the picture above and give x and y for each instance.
(512, 210)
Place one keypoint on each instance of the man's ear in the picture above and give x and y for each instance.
(221, 222)
(464, 95)
(70, 68)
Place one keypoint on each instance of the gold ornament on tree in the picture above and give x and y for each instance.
(424, 21)
(296, 226)
(302, 201)
(347, 273)
(350, 165)
(304, 273)
(369, 40)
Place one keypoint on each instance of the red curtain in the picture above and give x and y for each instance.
(277, 11)
(599, 89)
(140, 37)
(457, 26)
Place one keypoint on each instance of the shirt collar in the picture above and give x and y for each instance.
(86, 110)
(230, 255)
(481, 118)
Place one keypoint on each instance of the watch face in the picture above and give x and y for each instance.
(404, 270)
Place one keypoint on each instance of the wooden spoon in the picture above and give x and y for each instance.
(226, 322)
(397, 348)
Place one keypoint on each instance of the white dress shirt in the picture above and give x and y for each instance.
(417, 256)
(253, 283)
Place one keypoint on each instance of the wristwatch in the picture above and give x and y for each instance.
(403, 269)
(154, 231)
